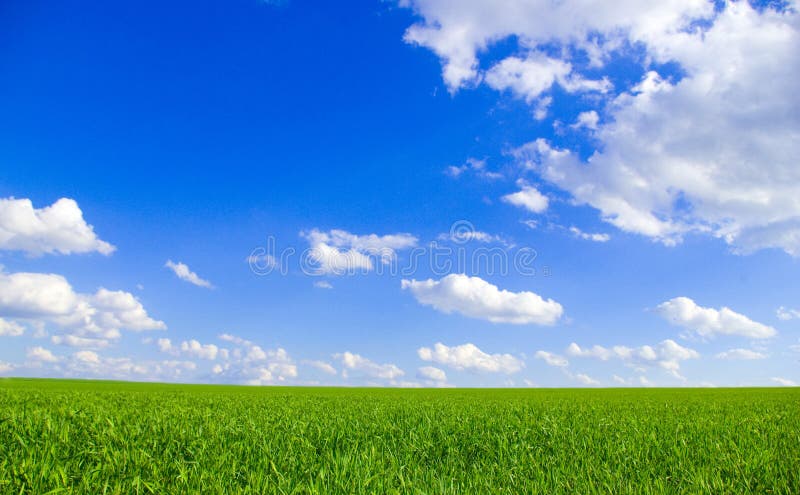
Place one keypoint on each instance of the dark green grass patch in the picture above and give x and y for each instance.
(107, 437)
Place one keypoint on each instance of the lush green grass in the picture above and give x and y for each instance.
(105, 437)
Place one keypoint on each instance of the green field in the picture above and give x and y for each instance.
(106, 437)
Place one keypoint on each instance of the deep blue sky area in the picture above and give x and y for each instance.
(195, 131)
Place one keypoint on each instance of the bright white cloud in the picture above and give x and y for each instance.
(203, 351)
(589, 237)
(323, 366)
(470, 357)
(41, 354)
(251, 364)
(784, 382)
(786, 314)
(75, 341)
(10, 328)
(587, 120)
(477, 298)
(58, 228)
(355, 362)
(586, 379)
(338, 252)
(478, 167)
(432, 373)
(741, 354)
(49, 298)
(184, 273)
(707, 322)
(529, 198)
(653, 172)
(667, 355)
(552, 359)
(323, 284)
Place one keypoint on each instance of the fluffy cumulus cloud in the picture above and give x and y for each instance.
(338, 252)
(432, 373)
(203, 351)
(786, 314)
(741, 354)
(470, 357)
(10, 328)
(249, 363)
(528, 198)
(784, 382)
(49, 298)
(586, 236)
(552, 359)
(653, 172)
(708, 322)
(322, 366)
(39, 354)
(477, 298)
(183, 272)
(362, 366)
(666, 355)
(58, 228)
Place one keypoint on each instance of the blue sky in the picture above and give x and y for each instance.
(641, 161)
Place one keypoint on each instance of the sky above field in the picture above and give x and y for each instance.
(414, 193)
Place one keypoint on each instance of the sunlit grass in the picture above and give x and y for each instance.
(106, 437)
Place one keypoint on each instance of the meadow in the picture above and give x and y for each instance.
(61, 436)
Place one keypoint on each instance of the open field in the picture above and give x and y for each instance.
(108, 437)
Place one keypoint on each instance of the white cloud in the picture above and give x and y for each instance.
(478, 167)
(369, 368)
(586, 379)
(324, 367)
(708, 322)
(470, 357)
(49, 298)
(589, 237)
(667, 355)
(75, 341)
(249, 363)
(653, 172)
(784, 382)
(58, 228)
(587, 120)
(10, 328)
(338, 252)
(786, 314)
(529, 198)
(164, 345)
(477, 298)
(323, 284)
(41, 354)
(184, 273)
(203, 351)
(5, 367)
(746, 354)
(87, 357)
(552, 359)
(432, 373)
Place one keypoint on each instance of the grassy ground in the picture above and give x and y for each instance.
(106, 437)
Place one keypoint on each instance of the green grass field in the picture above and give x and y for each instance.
(61, 436)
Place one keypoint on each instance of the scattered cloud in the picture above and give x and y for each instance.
(741, 354)
(184, 273)
(432, 373)
(48, 298)
(203, 351)
(323, 284)
(552, 359)
(587, 120)
(708, 322)
(589, 237)
(10, 328)
(666, 355)
(586, 379)
(58, 228)
(528, 198)
(476, 298)
(786, 314)
(784, 382)
(362, 365)
(477, 167)
(470, 357)
(323, 366)
(338, 252)
(40, 354)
